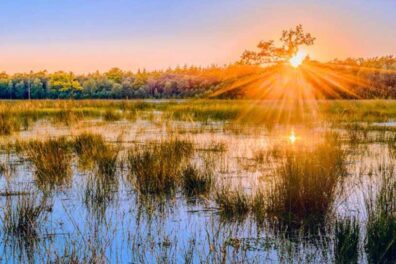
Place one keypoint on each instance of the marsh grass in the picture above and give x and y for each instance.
(233, 204)
(112, 115)
(51, 159)
(101, 158)
(88, 147)
(106, 161)
(99, 192)
(157, 167)
(381, 224)
(306, 180)
(24, 219)
(67, 116)
(8, 124)
(346, 245)
(197, 180)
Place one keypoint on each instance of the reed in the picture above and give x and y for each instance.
(234, 204)
(306, 181)
(8, 124)
(346, 246)
(51, 159)
(157, 168)
(24, 219)
(111, 115)
(381, 224)
(197, 180)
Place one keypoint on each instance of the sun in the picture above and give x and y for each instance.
(298, 58)
(292, 137)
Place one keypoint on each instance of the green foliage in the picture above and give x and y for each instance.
(63, 84)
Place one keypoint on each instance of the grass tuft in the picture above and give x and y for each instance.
(8, 124)
(306, 181)
(24, 219)
(233, 204)
(158, 167)
(381, 226)
(197, 181)
(111, 115)
(51, 159)
(346, 247)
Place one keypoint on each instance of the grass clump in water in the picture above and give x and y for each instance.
(8, 124)
(346, 247)
(107, 161)
(51, 159)
(158, 167)
(197, 181)
(88, 147)
(67, 116)
(381, 226)
(233, 203)
(24, 219)
(306, 182)
(111, 115)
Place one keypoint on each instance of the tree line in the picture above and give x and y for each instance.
(181, 82)
(371, 78)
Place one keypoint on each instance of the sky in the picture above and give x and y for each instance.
(89, 35)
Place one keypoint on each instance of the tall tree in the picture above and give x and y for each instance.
(267, 52)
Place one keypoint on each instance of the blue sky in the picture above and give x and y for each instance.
(89, 35)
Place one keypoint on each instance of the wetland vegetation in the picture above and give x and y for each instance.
(220, 181)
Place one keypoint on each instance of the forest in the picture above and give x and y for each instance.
(378, 75)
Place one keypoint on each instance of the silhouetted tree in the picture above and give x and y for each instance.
(267, 52)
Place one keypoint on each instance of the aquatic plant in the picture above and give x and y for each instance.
(158, 167)
(51, 159)
(197, 180)
(8, 124)
(106, 161)
(67, 116)
(233, 203)
(306, 180)
(111, 115)
(381, 224)
(25, 218)
(88, 146)
(346, 246)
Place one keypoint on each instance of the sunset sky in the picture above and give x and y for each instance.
(89, 35)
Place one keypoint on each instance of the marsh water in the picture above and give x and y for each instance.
(177, 228)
